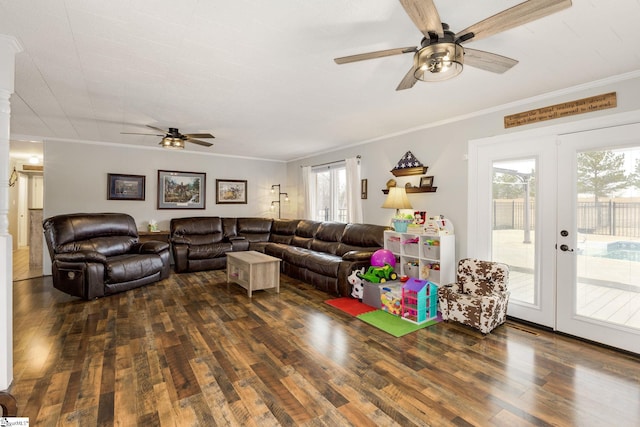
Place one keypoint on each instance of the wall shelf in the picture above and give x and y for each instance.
(416, 190)
(418, 170)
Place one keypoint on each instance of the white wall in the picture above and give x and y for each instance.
(443, 148)
(76, 181)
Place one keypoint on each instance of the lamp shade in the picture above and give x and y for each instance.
(397, 199)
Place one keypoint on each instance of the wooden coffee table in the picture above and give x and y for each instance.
(253, 270)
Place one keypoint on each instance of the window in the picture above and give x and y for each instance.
(330, 184)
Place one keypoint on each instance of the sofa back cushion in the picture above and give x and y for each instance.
(196, 230)
(107, 233)
(305, 231)
(283, 230)
(254, 229)
(327, 237)
(360, 237)
(230, 227)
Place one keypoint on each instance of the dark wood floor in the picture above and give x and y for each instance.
(189, 351)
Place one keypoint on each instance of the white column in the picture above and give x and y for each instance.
(9, 47)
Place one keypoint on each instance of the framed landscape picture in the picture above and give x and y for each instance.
(181, 190)
(125, 187)
(231, 191)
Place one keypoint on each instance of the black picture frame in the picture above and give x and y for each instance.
(125, 187)
(181, 190)
(363, 188)
(231, 191)
(426, 181)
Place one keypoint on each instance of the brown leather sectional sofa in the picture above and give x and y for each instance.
(99, 254)
(322, 254)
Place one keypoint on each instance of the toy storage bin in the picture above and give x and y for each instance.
(431, 251)
(393, 244)
(411, 270)
(429, 273)
(410, 248)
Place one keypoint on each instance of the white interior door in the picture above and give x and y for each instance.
(598, 256)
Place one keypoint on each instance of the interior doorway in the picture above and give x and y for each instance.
(26, 194)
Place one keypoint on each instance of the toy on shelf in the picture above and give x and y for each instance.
(356, 283)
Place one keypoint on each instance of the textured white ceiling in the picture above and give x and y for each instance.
(260, 75)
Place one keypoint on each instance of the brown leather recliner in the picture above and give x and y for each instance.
(99, 254)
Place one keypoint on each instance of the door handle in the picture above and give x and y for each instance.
(565, 248)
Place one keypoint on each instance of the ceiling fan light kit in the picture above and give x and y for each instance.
(441, 55)
(438, 62)
(172, 143)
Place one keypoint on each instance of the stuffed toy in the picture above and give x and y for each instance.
(357, 288)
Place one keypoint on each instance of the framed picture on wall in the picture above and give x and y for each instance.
(125, 187)
(363, 188)
(231, 191)
(181, 190)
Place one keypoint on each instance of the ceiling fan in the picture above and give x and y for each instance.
(441, 55)
(172, 138)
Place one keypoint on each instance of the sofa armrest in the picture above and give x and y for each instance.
(357, 256)
(180, 257)
(150, 247)
(82, 256)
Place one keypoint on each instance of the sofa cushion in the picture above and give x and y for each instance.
(196, 230)
(125, 268)
(327, 237)
(254, 229)
(318, 262)
(107, 246)
(362, 237)
(305, 231)
(209, 251)
(229, 227)
(283, 230)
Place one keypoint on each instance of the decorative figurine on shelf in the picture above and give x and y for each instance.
(357, 288)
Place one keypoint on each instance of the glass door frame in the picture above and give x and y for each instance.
(568, 320)
(478, 209)
(482, 158)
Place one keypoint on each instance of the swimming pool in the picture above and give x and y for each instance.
(621, 250)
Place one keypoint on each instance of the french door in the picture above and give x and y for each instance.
(564, 213)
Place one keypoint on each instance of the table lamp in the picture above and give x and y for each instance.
(397, 199)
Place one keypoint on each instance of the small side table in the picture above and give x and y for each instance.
(253, 270)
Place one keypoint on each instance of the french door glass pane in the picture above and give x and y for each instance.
(513, 228)
(331, 194)
(608, 236)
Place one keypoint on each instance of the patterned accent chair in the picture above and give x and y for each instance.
(479, 297)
